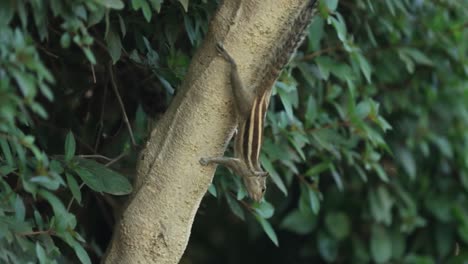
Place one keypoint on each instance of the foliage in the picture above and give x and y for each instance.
(52, 57)
(366, 141)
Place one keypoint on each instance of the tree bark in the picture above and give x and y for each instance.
(155, 226)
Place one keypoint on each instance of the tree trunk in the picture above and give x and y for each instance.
(155, 226)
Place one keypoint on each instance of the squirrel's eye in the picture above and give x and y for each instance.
(263, 189)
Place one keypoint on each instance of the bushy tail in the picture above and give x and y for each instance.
(288, 44)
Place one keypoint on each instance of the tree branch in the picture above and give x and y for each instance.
(170, 183)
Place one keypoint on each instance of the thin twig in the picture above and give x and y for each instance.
(70, 203)
(331, 125)
(320, 52)
(244, 203)
(123, 154)
(47, 52)
(101, 118)
(94, 74)
(313, 185)
(35, 233)
(6, 136)
(73, 198)
(122, 107)
(95, 156)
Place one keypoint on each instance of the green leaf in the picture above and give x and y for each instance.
(268, 229)
(241, 192)
(380, 245)
(443, 144)
(212, 190)
(339, 25)
(185, 4)
(264, 209)
(323, 9)
(38, 219)
(332, 4)
(266, 163)
(343, 72)
(315, 33)
(65, 40)
(417, 259)
(299, 222)
(407, 161)
(381, 204)
(46, 91)
(13, 225)
(311, 110)
(41, 254)
(74, 187)
(407, 60)
(113, 4)
(417, 56)
(47, 182)
(398, 244)
(324, 64)
(64, 221)
(81, 253)
(338, 224)
(70, 146)
(166, 85)
(337, 178)
(363, 109)
(89, 55)
(57, 205)
(365, 67)
(328, 247)
(101, 179)
(380, 172)
(235, 207)
(145, 8)
(114, 45)
(97, 16)
(190, 29)
(156, 4)
(6, 151)
(5, 170)
(287, 101)
(123, 29)
(80, 12)
(361, 172)
(20, 152)
(390, 6)
(22, 14)
(332, 94)
(383, 124)
(20, 210)
(7, 10)
(319, 168)
(314, 201)
(26, 82)
(299, 141)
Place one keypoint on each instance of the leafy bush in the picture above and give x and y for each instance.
(367, 142)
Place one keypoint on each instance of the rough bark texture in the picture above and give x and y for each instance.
(155, 226)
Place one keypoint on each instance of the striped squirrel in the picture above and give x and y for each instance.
(252, 104)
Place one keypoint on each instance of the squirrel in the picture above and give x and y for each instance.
(252, 104)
